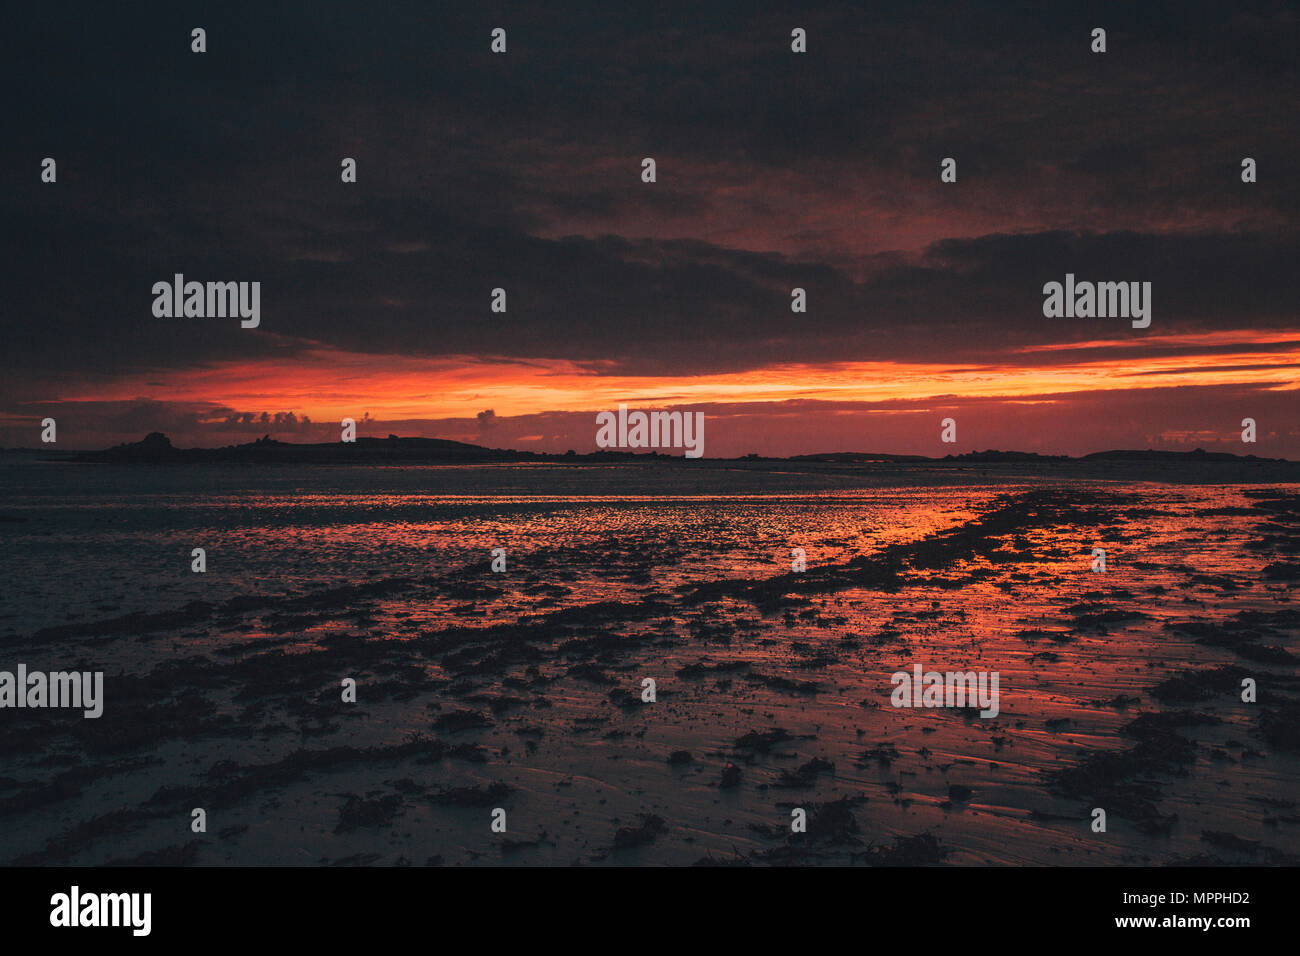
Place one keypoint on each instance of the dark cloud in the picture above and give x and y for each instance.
(522, 171)
(643, 306)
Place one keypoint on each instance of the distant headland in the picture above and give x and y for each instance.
(156, 448)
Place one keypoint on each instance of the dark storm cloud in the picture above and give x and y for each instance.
(644, 306)
(474, 170)
(712, 80)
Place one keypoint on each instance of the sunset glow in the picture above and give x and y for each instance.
(328, 384)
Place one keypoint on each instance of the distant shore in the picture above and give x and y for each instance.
(156, 448)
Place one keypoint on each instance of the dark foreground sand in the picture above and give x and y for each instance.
(522, 691)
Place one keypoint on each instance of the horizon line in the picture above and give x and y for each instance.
(266, 441)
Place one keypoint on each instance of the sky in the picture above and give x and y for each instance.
(774, 171)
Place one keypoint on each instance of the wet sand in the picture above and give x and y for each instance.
(522, 690)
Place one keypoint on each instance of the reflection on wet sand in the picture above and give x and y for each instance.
(525, 690)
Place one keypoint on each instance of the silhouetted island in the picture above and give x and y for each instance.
(156, 448)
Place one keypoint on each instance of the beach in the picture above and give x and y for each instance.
(523, 690)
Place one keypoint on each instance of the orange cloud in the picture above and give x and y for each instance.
(330, 384)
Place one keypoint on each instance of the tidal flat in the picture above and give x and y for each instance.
(523, 690)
